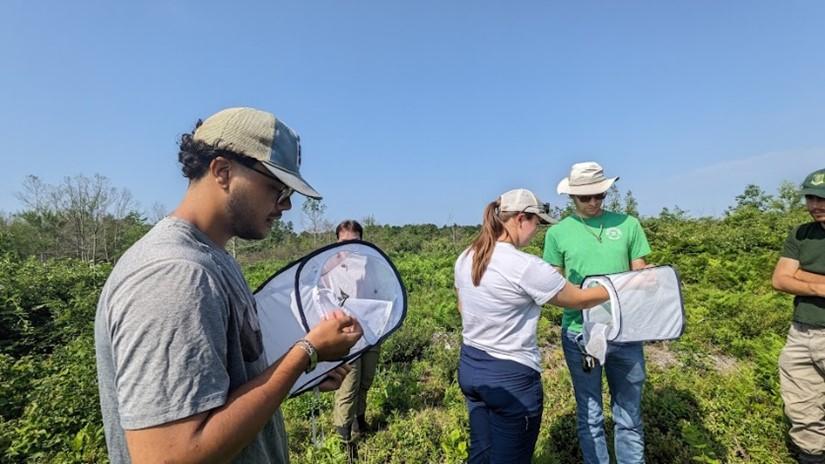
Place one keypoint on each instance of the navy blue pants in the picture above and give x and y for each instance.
(505, 401)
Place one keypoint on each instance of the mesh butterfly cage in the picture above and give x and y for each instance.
(354, 276)
(644, 305)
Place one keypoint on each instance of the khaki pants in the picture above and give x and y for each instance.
(802, 378)
(351, 398)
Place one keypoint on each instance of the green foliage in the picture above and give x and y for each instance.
(711, 397)
(43, 305)
(258, 273)
(16, 376)
(752, 198)
(631, 206)
(61, 421)
(83, 217)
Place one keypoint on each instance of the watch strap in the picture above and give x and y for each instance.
(311, 352)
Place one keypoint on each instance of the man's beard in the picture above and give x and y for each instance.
(242, 218)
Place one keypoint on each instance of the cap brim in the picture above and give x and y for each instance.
(546, 219)
(817, 192)
(293, 181)
(564, 187)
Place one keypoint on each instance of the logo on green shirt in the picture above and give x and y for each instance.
(613, 233)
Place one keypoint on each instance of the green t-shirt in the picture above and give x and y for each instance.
(604, 244)
(806, 244)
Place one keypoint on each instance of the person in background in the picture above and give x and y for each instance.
(182, 372)
(349, 230)
(349, 412)
(800, 271)
(590, 242)
(500, 292)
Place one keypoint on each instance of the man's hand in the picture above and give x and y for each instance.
(334, 336)
(639, 264)
(334, 378)
(643, 280)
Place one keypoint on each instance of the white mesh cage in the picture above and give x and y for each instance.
(644, 305)
(355, 276)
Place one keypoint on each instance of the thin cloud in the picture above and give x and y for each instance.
(769, 164)
(709, 190)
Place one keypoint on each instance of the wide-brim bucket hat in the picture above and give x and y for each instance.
(585, 178)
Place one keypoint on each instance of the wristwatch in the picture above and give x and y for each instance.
(310, 350)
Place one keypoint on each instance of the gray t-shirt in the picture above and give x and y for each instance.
(176, 331)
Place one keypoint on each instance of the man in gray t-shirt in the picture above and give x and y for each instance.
(181, 368)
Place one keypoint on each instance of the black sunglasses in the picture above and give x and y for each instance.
(284, 193)
(253, 164)
(587, 198)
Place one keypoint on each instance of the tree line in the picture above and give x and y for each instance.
(87, 218)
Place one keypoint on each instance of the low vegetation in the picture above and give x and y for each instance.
(711, 397)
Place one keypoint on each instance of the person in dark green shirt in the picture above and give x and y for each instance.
(800, 271)
(594, 241)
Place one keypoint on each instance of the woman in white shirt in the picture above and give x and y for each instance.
(500, 293)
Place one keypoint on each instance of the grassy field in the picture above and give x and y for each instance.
(711, 397)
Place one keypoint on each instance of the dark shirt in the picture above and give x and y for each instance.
(806, 244)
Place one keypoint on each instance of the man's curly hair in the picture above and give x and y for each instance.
(195, 156)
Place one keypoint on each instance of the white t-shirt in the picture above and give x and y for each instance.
(501, 314)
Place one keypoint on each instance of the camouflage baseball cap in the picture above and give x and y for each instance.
(814, 184)
(260, 135)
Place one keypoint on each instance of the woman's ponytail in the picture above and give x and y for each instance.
(485, 243)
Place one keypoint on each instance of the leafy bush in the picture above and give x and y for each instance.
(712, 396)
(61, 421)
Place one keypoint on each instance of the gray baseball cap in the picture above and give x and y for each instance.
(259, 135)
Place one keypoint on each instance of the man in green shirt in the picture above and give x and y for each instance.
(801, 272)
(594, 241)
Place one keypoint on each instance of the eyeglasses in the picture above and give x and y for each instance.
(283, 194)
(588, 198)
(813, 198)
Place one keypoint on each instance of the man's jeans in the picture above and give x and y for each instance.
(625, 371)
(505, 402)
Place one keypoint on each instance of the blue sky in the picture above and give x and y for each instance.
(423, 111)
